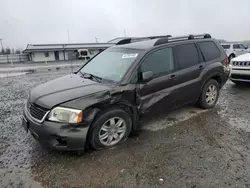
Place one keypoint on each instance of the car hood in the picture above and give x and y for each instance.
(64, 89)
(244, 57)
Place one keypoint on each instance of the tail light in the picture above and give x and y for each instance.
(227, 61)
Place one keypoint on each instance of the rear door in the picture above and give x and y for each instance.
(189, 64)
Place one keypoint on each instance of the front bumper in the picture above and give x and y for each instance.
(59, 136)
(240, 75)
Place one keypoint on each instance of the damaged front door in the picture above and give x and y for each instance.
(156, 94)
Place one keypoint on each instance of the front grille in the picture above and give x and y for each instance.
(36, 111)
(241, 63)
(239, 76)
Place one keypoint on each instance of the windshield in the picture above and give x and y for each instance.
(111, 64)
(226, 46)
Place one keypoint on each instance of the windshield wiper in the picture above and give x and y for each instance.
(90, 76)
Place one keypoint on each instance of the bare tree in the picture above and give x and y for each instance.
(18, 51)
(7, 50)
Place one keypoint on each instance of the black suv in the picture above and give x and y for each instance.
(100, 105)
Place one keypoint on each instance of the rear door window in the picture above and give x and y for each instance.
(186, 55)
(209, 50)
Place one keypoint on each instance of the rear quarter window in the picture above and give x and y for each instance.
(209, 50)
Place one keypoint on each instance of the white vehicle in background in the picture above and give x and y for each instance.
(240, 69)
(83, 54)
(234, 49)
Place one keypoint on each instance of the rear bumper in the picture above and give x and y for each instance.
(225, 76)
(59, 136)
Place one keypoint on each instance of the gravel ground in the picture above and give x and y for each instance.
(207, 149)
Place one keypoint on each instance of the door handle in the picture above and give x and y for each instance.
(201, 67)
(173, 76)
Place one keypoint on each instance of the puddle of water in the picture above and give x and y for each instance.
(172, 118)
(2, 75)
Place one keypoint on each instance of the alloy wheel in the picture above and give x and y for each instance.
(112, 131)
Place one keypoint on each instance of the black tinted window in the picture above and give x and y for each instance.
(186, 55)
(209, 50)
(225, 46)
(236, 46)
(159, 62)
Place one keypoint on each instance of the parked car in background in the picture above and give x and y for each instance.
(234, 49)
(83, 54)
(240, 69)
(100, 105)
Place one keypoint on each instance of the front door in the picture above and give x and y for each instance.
(237, 50)
(56, 55)
(156, 95)
(243, 49)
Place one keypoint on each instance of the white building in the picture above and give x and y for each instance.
(55, 52)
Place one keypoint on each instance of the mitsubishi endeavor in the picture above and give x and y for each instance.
(101, 103)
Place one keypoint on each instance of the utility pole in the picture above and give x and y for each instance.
(125, 32)
(68, 55)
(2, 45)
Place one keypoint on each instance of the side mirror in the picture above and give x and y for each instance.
(147, 76)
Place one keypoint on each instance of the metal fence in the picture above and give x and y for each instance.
(13, 58)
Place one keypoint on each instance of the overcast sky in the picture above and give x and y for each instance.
(25, 22)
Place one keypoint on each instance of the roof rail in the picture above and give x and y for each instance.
(137, 39)
(181, 38)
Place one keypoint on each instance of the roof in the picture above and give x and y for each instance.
(118, 39)
(230, 43)
(147, 44)
(73, 46)
(142, 45)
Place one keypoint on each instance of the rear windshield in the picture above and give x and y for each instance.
(225, 46)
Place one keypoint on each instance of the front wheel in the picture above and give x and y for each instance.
(209, 94)
(110, 128)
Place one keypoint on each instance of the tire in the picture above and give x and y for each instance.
(231, 57)
(203, 100)
(102, 125)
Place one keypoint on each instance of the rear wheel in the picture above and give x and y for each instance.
(110, 128)
(231, 57)
(209, 95)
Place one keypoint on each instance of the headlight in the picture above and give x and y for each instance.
(67, 115)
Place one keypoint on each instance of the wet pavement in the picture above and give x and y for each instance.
(188, 147)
